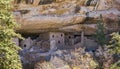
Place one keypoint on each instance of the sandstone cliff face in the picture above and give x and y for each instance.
(64, 15)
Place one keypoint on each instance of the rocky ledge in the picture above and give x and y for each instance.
(68, 16)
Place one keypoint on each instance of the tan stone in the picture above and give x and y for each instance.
(36, 2)
(111, 21)
(61, 15)
(41, 23)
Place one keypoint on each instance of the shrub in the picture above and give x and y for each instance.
(9, 58)
(115, 49)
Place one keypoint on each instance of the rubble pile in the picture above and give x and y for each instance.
(104, 58)
(66, 58)
(69, 59)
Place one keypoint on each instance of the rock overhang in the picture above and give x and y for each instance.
(76, 16)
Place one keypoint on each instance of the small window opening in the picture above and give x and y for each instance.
(59, 42)
(69, 37)
(24, 45)
(53, 36)
(61, 35)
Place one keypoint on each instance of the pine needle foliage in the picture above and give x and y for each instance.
(115, 49)
(100, 32)
(9, 58)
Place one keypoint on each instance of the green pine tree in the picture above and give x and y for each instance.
(100, 34)
(9, 58)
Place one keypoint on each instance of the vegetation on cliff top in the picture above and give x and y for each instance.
(115, 49)
(9, 58)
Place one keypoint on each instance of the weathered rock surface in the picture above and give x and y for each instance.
(46, 23)
(73, 58)
(68, 59)
(63, 15)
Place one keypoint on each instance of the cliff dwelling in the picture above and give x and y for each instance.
(59, 37)
(55, 40)
(54, 26)
(41, 41)
(46, 40)
(59, 34)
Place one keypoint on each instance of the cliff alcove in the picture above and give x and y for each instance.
(53, 28)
